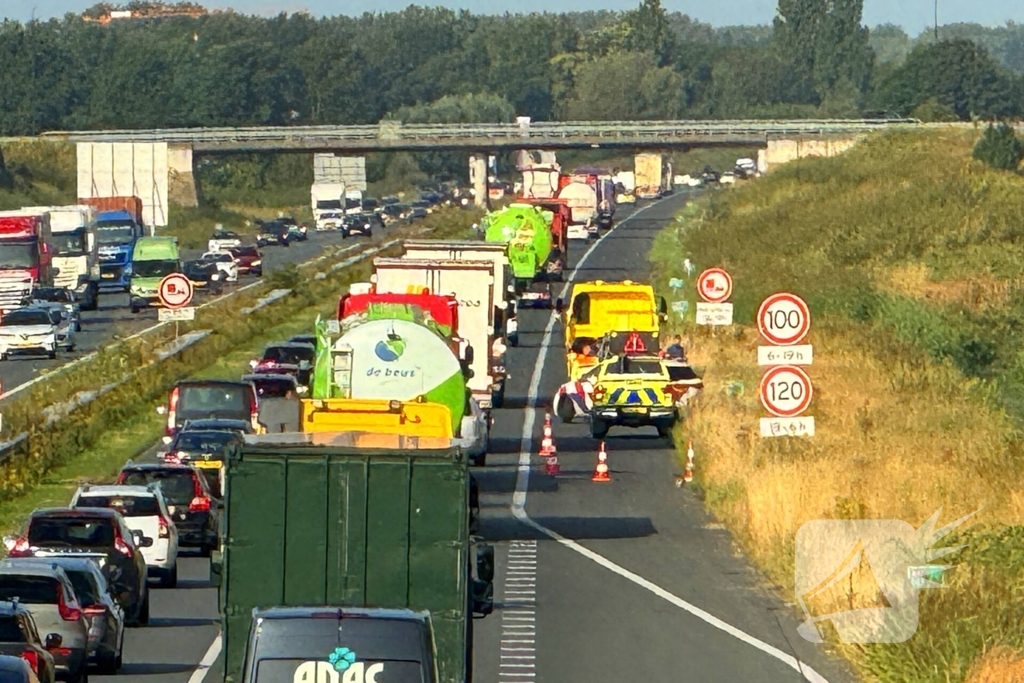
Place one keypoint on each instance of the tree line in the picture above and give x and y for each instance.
(435, 64)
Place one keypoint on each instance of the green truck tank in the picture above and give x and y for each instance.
(526, 229)
(323, 520)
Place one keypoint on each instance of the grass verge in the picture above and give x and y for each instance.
(910, 256)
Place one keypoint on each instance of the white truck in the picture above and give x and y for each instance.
(540, 182)
(353, 201)
(472, 284)
(505, 322)
(75, 250)
(649, 171)
(581, 197)
(326, 198)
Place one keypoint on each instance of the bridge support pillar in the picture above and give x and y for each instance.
(181, 180)
(478, 179)
(783, 151)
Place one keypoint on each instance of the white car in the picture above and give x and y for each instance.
(144, 509)
(39, 328)
(225, 263)
(223, 240)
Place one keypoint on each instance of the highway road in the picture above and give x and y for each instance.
(623, 581)
(114, 319)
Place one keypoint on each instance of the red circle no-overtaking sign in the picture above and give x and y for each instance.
(175, 291)
(714, 286)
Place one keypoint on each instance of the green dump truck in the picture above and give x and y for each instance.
(335, 525)
(533, 254)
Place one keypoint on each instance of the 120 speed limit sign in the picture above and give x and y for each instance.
(786, 391)
(784, 319)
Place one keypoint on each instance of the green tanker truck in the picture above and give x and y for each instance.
(535, 248)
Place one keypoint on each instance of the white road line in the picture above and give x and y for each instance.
(208, 659)
(518, 506)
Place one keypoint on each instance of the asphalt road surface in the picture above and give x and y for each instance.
(114, 318)
(621, 581)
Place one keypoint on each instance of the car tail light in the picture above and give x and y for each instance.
(200, 503)
(165, 530)
(598, 392)
(172, 410)
(254, 412)
(122, 547)
(66, 613)
(94, 611)
(32, 657)
(21, 548)
(172, 458)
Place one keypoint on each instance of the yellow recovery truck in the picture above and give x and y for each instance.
(614, 314)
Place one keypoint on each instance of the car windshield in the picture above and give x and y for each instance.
(78, 532)
(128, 506)
(213, 398)
(155, 268)
(289, 355)
(30, 590)
(19, 255)
(115, 233)
(225, 236)
(274, 388)
(68, 244)
(10, 630)
(631, 366)
(23, 317)
(245, 251)
(203, 442)
(177, 485)
(51, 294)
(85, 587)
(334, 215)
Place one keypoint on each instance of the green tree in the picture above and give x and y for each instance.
(999, 147)
(624, 86)
(648, 30)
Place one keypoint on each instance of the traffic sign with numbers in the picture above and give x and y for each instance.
(786, 391)
(175, 291)
(714, 286)
(784, 319)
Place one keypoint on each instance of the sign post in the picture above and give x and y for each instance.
(714, 286)
(784, 319)
(176, 292)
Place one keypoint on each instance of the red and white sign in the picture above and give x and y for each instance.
(786, 391)
(784, 319)
(714, 285)
(175, 291)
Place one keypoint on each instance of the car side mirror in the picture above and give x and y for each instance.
(138, 536)
(559, 306)
(485, 562)
(53, 641)
(662, 306)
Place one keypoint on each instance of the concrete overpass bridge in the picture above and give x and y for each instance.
(158, 164)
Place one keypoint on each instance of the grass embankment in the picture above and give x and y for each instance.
(911, 256)
(89, 450)
(37, 174)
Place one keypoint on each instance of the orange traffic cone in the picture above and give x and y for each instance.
(601, 474)
(547, 444)
(688, 475)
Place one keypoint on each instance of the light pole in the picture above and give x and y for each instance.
(936, 21)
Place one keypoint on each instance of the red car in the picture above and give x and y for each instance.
(249, 260)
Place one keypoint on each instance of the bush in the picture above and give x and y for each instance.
(1000, 148)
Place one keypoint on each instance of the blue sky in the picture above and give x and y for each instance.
(913, 15)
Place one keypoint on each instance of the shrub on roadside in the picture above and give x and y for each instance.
(1000, 148)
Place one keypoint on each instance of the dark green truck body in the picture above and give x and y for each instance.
(345, 526)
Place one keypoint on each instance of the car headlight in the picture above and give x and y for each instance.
(215, 277)
(256, 263)
(127, 269)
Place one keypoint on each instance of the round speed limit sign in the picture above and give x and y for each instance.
(784, 319)
(786, 391)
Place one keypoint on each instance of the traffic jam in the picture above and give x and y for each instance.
(407, 368)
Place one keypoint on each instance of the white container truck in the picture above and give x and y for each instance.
(75, 250)
(353, 201)
(472, 284)
(326, 198)
(504, 321)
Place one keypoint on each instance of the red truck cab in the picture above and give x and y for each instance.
(25, 258)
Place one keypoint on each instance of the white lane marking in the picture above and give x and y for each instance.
(518, 627)
(208, 659)
(523, 483)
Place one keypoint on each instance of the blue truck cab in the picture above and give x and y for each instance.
(117, 232)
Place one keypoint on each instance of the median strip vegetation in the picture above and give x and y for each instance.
(88, 429)
(911, 256)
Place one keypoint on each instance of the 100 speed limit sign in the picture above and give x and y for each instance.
(784, 319)
(786, 391)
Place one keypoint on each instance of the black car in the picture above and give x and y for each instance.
(431, 198)
(371, 205)
(356, 225)
(288, 358)
(99, 534)
(417, 213)
(279, 395)
(60, 295)
(394, 212)
(205, 449)
(303, 339)
(273, 232)
(189, 499)
(19, 638)
(204, 275)
(710, 175)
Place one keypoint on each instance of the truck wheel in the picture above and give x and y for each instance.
(135, 310)
(93, 300)
(598, 428)
(664, 431)
(513, 339)
(498, 397)
(51, 354)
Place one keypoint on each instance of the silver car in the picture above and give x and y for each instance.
(48, 594)
(39, 328)
(103, 614)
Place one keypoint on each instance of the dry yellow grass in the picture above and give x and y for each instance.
(917, 281)
(884, 448)
(999, 665)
